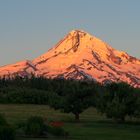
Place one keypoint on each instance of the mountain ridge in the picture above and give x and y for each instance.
(80, 56)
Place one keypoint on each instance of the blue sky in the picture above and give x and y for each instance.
(29, 28)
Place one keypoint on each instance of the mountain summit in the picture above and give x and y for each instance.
(80, 56)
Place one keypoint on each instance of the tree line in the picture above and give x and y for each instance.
(116, 100)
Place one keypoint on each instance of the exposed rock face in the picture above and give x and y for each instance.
(80, 56)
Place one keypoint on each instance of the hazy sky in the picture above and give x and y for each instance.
(29, 28)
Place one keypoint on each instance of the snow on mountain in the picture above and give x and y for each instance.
(24, 68)
(81, 56)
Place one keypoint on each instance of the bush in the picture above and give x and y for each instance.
(35, 126)
(2, 121)
(56, 131)
(56, 124)
(6, 133)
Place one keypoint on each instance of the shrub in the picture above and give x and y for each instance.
(56, 124)
(7, 133)
(34, 126)
(2, 121)
(56, 131)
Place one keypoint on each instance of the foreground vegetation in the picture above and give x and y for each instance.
(117, 103)
(115, 100)
(91, 126)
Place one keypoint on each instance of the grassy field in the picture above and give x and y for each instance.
(92, 126)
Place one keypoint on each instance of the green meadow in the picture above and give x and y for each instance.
(92, 125)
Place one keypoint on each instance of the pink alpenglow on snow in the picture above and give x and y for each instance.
(80, 56)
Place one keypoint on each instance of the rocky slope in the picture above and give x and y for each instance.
(82, 56)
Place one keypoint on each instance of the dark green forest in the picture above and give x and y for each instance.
(116, 100)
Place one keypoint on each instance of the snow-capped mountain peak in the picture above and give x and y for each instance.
(81, 56)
